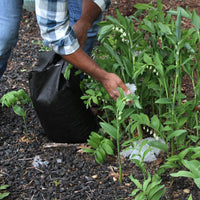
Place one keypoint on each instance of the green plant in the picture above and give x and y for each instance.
(100, 147)
(57, 182)
(159, 54)
(155, 56)
(17, 100)
(190, 197)
(42, 47)
(194, 167)
(138, 158)
(113, 129)
(150, 190)
(4, 194)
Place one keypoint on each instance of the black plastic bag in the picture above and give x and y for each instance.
(57, 102)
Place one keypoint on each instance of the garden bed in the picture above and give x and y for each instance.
(65, 172)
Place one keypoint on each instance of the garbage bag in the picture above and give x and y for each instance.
(57, 102)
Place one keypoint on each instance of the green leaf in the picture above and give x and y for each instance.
(128, 66)
(3, 187)
(178, 26)
(95, 100)
(159, 5)
(68, 71)
(197, 182)
(183, 173)
(189, 48)
(113, 20)
(159, 145)
(158, 64)
(147, 59)
(113, 53)
(140, 196)
(155, 122)
(102, 152)
(193, 166)
(90, 92)
(143, 6)
(105, 29)
(195, 20)
(164, 28)
(95, 138)
(111, 130)
(109, 142)
(152, 186)
(19, 111)
(108, 149)
(190, 197)
(136, 182)
(134, 192)
(183, 12)
(3, 195)
(149, 25)
(87, 150)
(154, 191)
(120, 105)
(93, 144)
(175, 134)
(99, 157)
(136, 102)
(163, 101)
(158, 194)
(146, 182)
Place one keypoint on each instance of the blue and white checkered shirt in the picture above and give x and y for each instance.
(53, 20)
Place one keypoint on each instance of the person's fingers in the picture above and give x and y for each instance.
(124, 88)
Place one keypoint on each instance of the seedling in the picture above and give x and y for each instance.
(17, 100)
(4, 194)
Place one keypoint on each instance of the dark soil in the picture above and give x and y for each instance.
(68, 174)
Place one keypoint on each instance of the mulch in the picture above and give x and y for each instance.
(35, 171)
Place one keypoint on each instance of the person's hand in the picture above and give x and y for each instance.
(111, 82)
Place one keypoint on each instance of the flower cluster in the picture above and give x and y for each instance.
(123, 34)
(154, 70)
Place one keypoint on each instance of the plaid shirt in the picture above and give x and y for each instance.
(53, 20)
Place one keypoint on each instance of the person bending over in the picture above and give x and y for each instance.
(70, 28)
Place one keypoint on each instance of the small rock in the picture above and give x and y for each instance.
(95, 176)
(187, 191)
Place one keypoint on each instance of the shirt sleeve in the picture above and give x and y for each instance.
(53, 20)
(103, 4)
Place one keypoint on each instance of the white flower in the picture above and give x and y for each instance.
(124, 34)
(121, 30)
(131, 87)
(155, 136)
(119, 118)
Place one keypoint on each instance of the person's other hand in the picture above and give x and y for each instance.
(111, 82)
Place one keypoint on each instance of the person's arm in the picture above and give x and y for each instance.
(59, 36)
(110, 81)
(90, 11)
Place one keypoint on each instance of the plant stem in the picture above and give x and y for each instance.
(118, 152)
(24, 118)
